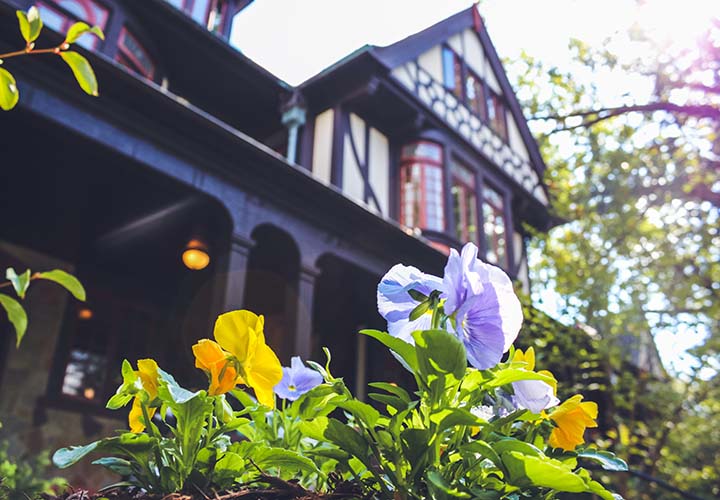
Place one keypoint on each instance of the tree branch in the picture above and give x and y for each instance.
(597, 115)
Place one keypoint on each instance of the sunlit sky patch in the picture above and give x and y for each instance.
(295, 39)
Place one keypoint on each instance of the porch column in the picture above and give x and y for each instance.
(232, 274)
(303, 328)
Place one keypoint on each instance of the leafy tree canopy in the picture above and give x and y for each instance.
(637, 177)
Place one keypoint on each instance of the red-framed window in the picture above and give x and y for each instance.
(464, 202)
(494, 226)
(59, 15)
(497, 115)
(210, 13)
(475, 95)
(133, 55)
(453, 72)
(421, 186)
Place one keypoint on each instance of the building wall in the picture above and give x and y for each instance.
(27, 424)
(322, 146)
(424, 77)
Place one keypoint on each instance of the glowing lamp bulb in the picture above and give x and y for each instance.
(85, 313)
(195, 256)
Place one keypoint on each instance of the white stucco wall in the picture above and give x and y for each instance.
(322, 146)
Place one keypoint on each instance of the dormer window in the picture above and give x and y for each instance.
(64, 13)
(497, 115)
(421, 186)
(452, 72)
(133, 55)
(470, 89)
(494, 226)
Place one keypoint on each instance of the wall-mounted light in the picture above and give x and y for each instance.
(195, 256)
(89, 393)
(85, 313)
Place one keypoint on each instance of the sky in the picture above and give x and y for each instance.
(295, 39)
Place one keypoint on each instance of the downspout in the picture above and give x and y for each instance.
(293, 117)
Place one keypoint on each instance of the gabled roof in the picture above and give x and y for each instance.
(411, 47)
(407, 49)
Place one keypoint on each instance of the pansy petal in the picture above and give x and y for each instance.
(207, 353)
(235, 331)
(264, 374)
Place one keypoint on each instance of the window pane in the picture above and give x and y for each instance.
(52, 18)
(448, 68)
(176, 3)
(200, 11)
(425, 150)
(134, 56)
(475, 95)
(86, 10)
(494, 227)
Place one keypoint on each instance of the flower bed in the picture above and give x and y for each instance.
(494, 429)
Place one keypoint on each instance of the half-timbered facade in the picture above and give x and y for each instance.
(198, 183)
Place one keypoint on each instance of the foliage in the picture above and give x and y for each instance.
(20, 284)
(464, 433)
(640, 184)
(30, 28)
(23, 479)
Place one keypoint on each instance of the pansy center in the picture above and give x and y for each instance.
(292, 388)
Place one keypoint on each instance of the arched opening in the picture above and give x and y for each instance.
(271, 288)
(345, 302)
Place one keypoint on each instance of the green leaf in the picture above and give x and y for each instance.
(511, 444)
(283, 460)
(458, 416)
(542, 471)
(607, 460)
(440, 352)
(315, 428)
(79, 29)
(16, 315)
(415, 445)
(403, 349)
(65, 457)
(418, 296)
(30, 24)
(9, 94)
(82, 70)
(419, 310)
(347, 439)
(392, 389)
(361, 411)
(118, 401)
(486, 451)
(510, 375)
(117, 465)
(441, 488)
(19, 282)
(66, 280)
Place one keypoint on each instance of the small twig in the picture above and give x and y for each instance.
(29, 49)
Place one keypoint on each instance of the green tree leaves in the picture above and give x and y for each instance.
(17, 316)
(9, 94)
(82, 70)
(30, 27)
(30, 24)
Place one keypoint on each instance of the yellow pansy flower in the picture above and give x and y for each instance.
(572, 417)
(147, 373)
(217, 363)
(239, 355)
(528, 357)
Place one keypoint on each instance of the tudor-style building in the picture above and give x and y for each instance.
(301, 198)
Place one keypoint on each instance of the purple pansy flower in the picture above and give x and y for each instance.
(534, 395)
(395, 303)
(297, 380)
(487, 312)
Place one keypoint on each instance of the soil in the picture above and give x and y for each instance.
(277, 489)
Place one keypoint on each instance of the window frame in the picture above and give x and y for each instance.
(68, 336)
(124, 51)
(406, 165)
(189, 5)
(69, 18)
(499, 104)
(457, 61)
(457, 181)
(504, 263)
